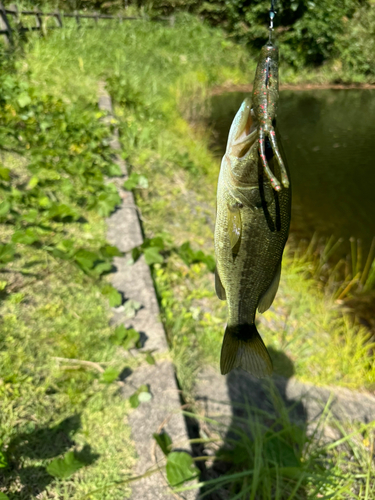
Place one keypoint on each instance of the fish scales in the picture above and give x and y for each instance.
(252, 222)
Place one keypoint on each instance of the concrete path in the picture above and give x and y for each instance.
(225, 395)
(135, 283)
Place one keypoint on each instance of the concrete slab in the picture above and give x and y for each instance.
(305, 402)
(135, 283)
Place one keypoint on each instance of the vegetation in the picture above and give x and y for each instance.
(283, 460)
(54, 296)
(57, 416)
(330, 34)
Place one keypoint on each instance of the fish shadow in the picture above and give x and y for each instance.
(259, 411)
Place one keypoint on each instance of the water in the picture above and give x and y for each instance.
(329, 142)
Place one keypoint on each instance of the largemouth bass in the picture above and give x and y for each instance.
(252, 221)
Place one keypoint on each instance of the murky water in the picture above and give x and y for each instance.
(329, 142)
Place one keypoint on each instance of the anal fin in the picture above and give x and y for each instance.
(220, 290)
(267, 298)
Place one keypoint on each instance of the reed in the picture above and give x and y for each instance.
(340, 277)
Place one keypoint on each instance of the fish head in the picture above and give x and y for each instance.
(241, 154)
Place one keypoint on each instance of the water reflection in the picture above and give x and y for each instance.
(328, 138)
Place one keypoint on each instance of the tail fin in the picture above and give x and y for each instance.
(243, 348)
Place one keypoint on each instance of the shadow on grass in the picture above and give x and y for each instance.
(40, 444)
(263, 431)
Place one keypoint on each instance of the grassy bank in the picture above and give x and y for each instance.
(160, 88)
(159, 78)
(62, 431)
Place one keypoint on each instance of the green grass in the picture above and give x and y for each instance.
(52, 309)
(52, 304)
(272, 455)
(160, 78)
(160, 83)
(267, 456)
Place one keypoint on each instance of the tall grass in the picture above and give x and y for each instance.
(267, 456)
(340, 276)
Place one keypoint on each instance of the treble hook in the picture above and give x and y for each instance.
(272, 16)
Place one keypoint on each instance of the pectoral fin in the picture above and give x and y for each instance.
(268, 297)
(234, 226)
(220, 291)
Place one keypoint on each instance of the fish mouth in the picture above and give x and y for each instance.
(246, 136)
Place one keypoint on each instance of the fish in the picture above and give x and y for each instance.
(252, 220)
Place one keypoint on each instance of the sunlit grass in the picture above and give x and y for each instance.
(58, 312)
(267, 456)
(51, 309)
(167, 74)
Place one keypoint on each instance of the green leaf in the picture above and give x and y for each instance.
(114, 170)
(102, 267)
(142, 182)
(280, 451)
(33, 182)
(189, 256)
(164, 441)
(44, 202)
(31, 216)
(106, 202)
(110, 375)
(109, 251)
(62, 468)
(180, 468)
(143, 388)
(3, 462)
(85, 258)
(136, 181)
(114, 297)
(66, 245)
(118, 335)
(131, 182)
(134, 401)
(6, 253)
(209, 260)
(3, 496)
(4, 208)
(127, 338)
(142, 394)
(130, 308)
(131, 339)
(136, 253)
(186, 253)
(153, 242)
(152, 256)
(150, 358)
(4, 173)
(25, 236)
(61, 211)
(23, 99)
(144, 397)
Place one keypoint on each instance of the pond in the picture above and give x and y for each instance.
(329, 141)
